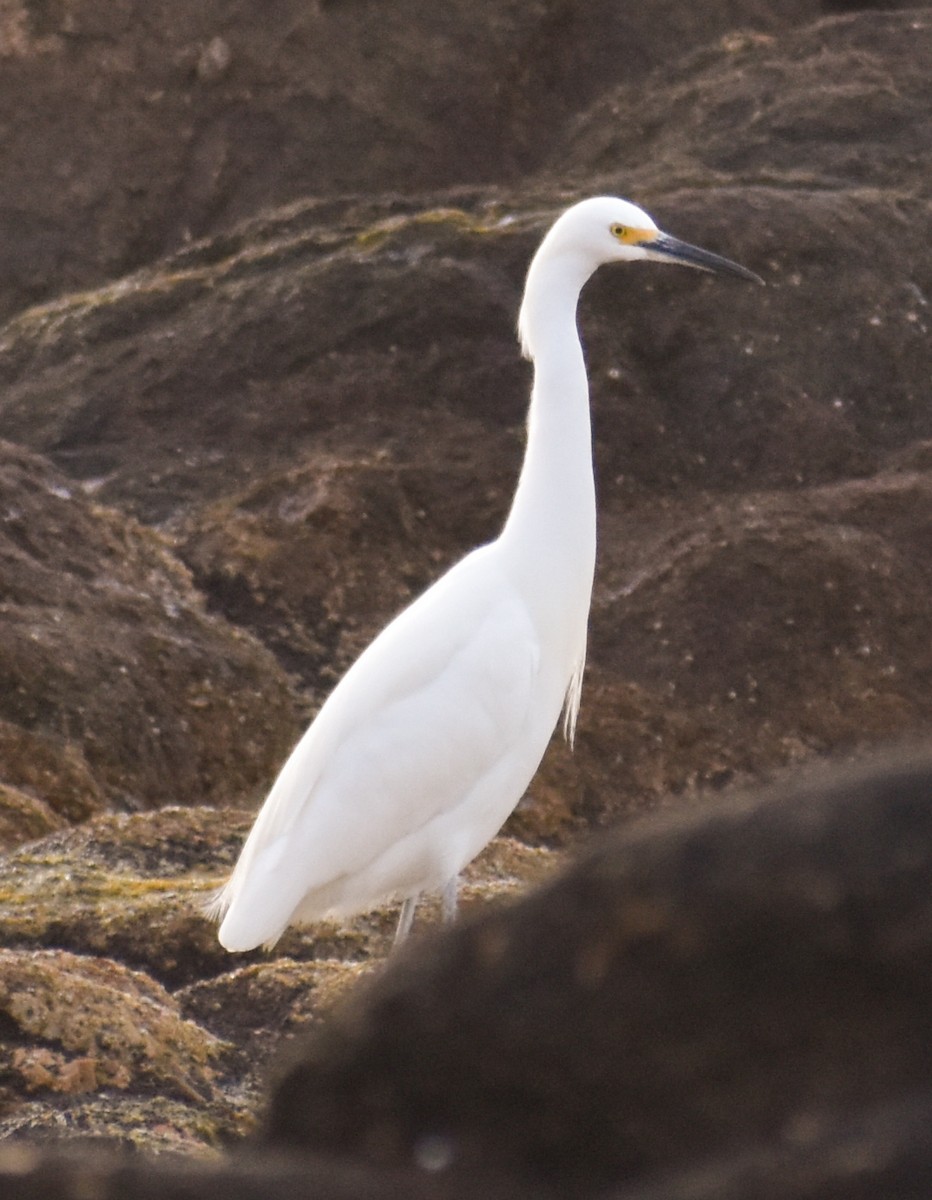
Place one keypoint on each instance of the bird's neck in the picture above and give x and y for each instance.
(551, 526)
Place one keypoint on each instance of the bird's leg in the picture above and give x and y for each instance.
(450, 900)
(405, 919)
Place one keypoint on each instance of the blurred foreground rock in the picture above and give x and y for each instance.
(692, 990)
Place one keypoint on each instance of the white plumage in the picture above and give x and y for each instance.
(430, 739)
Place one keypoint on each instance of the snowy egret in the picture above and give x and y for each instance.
(430, 739)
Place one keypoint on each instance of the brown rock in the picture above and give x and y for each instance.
(24, 817)
(98, 1025)
(321, 406)
(131, 127)
(834, 104)
(117, 686)
(32, 1173)
(128, 892)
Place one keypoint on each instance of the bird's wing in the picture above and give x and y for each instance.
(430, 707)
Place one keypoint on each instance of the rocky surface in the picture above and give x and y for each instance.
(132, 126)
(724, 1003)
(118, 687)
(259, 386)
(145, 1031)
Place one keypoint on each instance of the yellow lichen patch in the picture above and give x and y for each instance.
(85, 885)
(381, 231)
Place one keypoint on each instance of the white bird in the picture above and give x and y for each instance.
(430, 739)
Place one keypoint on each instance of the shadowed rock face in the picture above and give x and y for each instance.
(225, 470)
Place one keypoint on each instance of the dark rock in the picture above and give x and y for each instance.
(764, 629)
(31, 1174)
(131, 127)
(310, 520)
(836, 104)
(755, 974)
(878, 1155)
(882, 1153)
(343, 328)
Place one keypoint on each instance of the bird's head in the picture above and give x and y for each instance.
(600, 230)
(605, 229)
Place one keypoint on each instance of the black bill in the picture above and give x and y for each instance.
(670, 249)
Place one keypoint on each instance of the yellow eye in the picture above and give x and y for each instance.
(620, 232)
